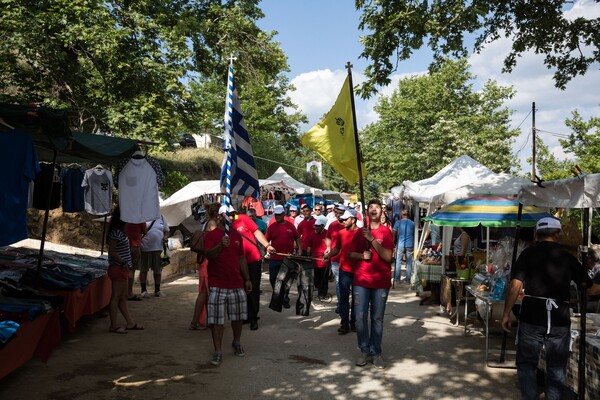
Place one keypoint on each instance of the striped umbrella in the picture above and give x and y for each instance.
(487, 210)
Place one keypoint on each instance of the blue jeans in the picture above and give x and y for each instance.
(531, 338)
(409, 263)
(346, 302)
(373, 300)
(335, 270)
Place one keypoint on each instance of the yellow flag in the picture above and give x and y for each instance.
(333, 137)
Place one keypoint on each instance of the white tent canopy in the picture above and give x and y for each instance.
(504, 185)
(460, 172)
(299, 187)
(581, 192)
(179, 206)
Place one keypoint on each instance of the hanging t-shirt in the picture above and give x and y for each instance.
(97, 183)
(47, 178)
(160, 176)
(72, 191)
(138, 192)
(18, 166)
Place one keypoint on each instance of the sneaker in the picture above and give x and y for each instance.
(363, 359)
(216, 359)
(159, 294)
(378, 362)
(342, 330)
(238, 350)
(145, 295)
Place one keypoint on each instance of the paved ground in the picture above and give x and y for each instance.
(288, 357)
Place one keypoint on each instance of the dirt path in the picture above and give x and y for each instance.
(288, 357)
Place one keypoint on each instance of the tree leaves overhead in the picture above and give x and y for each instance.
(395, 29)
(432, 119)
(146, 69)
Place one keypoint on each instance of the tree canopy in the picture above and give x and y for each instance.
(395, 29)
(430, 120)
(146, 69)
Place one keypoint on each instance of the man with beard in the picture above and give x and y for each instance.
(372, 249)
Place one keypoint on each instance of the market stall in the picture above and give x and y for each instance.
(580, 192)
(179, 205)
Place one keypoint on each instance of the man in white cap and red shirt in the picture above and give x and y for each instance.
(315, 247)
(333, 226)
(306, 226)
(252, 239)
(544, 271)
(228, 283)
(290, 218)
(343, 240)
(283, 238)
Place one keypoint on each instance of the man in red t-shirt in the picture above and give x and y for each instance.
(343, 239)
(228, 283)
(283, 238)
(333, 226)
(306, 226)
(134, 233)
(252, 238)
(316, 248)
(372, 249)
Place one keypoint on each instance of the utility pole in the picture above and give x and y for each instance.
(533, 178)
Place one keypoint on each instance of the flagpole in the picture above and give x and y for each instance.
(356, 144)
(229, 128)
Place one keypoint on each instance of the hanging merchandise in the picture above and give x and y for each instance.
(251, 203)
(47, 178)
(160, 176)
(138, 192)
(18, 166)
(72, 191)
(97, 183)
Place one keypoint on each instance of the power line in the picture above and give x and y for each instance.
(560, 135)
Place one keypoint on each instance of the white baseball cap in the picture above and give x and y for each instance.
(321, 220)
(548, 223)
(351, 213)
(293, 208)
(278, 209)
(223, 209)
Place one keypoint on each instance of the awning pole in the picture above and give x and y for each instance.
(45, 225)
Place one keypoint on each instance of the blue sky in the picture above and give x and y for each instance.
(320, 36)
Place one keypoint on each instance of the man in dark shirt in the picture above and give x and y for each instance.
(545, 271)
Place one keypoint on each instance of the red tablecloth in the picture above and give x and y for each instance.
(37, 337)
(79, 303)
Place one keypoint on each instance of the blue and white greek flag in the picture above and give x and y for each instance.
(238, 172)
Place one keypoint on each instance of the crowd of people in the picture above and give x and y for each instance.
(342, 246)
(356, 252)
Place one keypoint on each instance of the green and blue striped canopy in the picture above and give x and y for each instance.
(487, 210)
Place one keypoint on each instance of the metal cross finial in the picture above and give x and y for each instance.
(349, 65)
(232, 59)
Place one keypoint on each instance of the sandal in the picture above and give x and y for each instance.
(119, 330)
(194, 326)
(135, 327)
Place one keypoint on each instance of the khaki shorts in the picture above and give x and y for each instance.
(151, 261)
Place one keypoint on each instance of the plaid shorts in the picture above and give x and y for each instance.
(233, 299)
